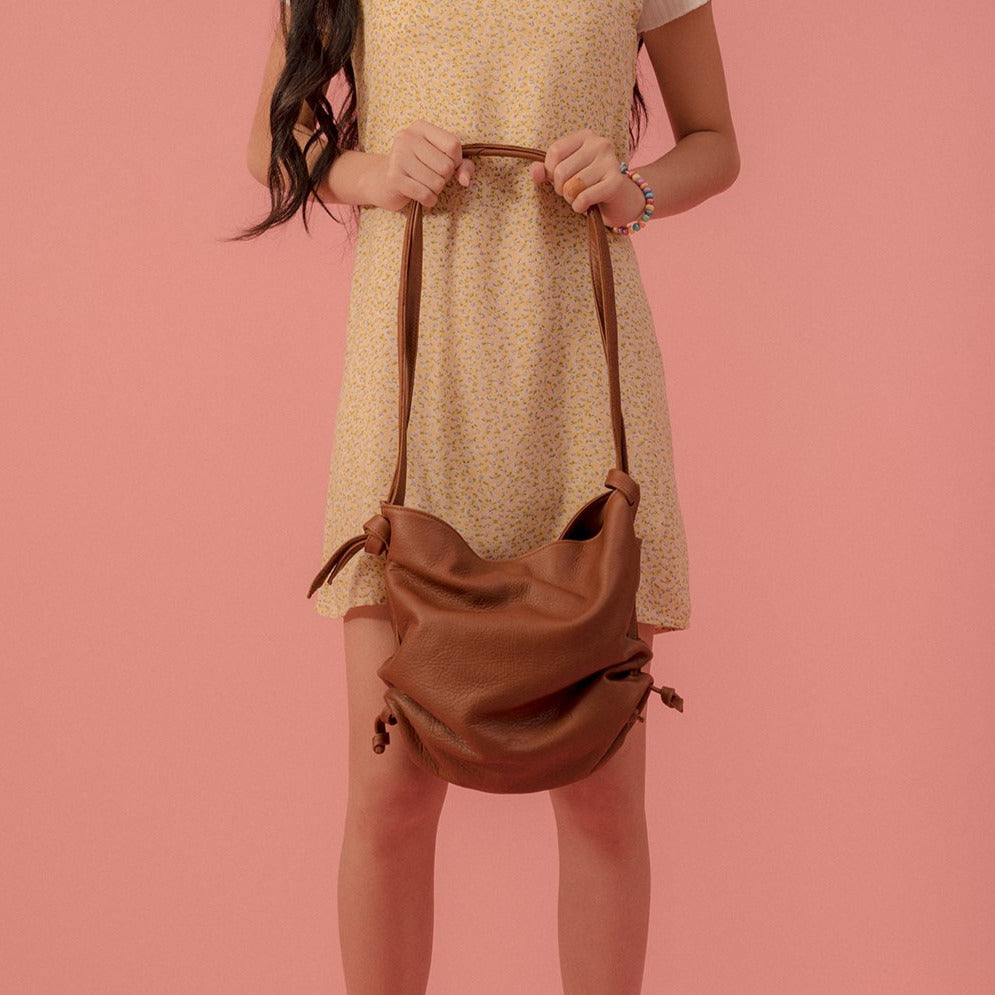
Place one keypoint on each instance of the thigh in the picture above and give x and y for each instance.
(392, 778)
(617, 788)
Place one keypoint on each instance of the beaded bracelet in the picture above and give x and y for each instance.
(643, 218)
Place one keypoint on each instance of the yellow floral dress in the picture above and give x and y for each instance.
(510, 427)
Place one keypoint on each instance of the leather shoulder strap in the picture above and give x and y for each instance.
(409, 306)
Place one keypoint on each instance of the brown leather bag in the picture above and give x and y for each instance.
(520, 674)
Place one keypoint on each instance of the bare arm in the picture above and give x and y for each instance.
(705, 160)
(350, 179)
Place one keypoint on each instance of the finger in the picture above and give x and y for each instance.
(424, 174)
(573, 188)
(602, 169)
(416, 190)
(583, 165)
(448, 143)
(565, 150)
(432, 158)
(597, 193)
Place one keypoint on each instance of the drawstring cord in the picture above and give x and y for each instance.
(669, 697)
(381, 737)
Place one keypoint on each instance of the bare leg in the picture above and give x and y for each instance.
(604, 886)
(387, 864)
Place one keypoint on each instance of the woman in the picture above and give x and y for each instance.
(510, 393)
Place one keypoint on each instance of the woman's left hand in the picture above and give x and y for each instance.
(584, 170)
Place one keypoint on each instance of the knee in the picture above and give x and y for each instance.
(608, 806)
(389, 808)
(610, 822)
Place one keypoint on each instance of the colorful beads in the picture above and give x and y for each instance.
(640, 222)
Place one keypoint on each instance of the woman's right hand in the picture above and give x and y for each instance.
(421, 161)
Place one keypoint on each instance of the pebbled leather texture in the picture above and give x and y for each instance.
(521, 674)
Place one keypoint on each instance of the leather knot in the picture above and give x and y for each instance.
(377, 530)
(621, 481)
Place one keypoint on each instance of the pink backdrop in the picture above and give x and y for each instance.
(173, 735)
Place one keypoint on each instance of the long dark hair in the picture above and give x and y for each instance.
(319, 37)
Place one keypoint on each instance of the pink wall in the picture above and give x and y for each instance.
(173, 708)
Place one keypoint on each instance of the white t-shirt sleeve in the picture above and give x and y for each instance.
(657, 12)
